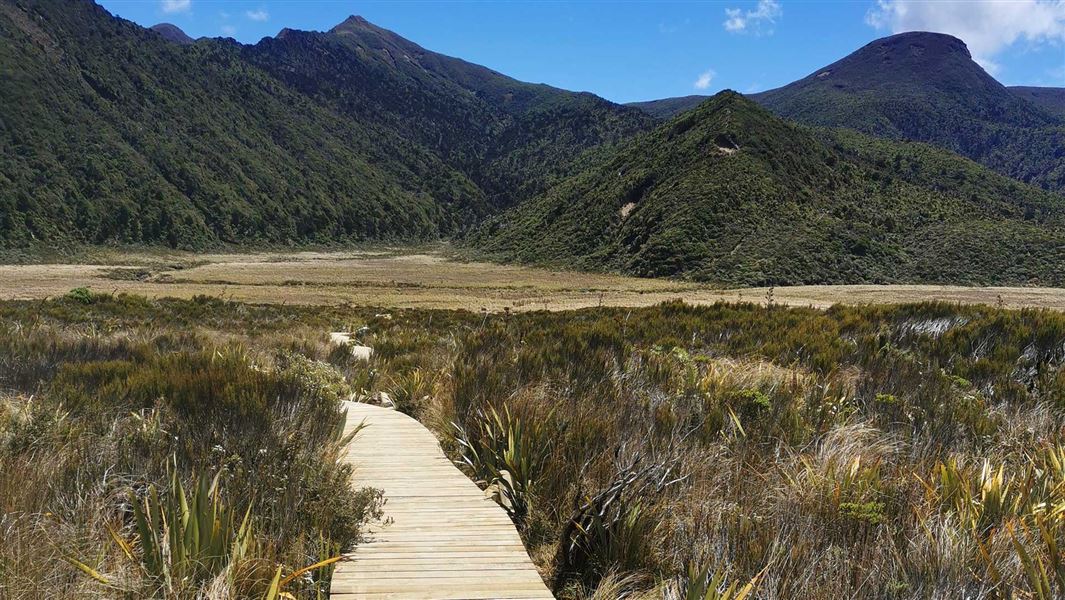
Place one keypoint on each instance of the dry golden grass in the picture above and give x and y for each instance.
(428, 278)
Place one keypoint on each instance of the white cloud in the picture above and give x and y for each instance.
(229, 30)
(757, 21)
(704, 79)
(174, 6)
(735, 20)
(258, 15)
(987, 27)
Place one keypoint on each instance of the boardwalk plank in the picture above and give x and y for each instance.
(443, 538)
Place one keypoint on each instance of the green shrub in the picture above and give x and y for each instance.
(865, 513)
(81, 294)
(847, 415)
(506, 453)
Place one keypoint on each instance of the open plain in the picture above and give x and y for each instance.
(433, 278)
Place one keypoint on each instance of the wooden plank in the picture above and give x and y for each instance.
(490, 589)
(442, 538)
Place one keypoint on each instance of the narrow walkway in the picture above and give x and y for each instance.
(445, 541)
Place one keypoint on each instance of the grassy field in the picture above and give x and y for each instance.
(816, 442)
(907, 451)
(430, 278)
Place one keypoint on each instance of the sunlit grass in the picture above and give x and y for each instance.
(889, 452)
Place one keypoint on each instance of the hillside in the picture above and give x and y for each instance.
(1050, 99)
(728, 192)
(116, 135)
(926, 87)
(173, 33)
(667, 108)
(508, 136)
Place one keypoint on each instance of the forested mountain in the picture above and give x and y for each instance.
(925, 87)
(112, 133)
(728, 192)
(667, 108)
(507, 135)
(173, 33)
(1050, 99)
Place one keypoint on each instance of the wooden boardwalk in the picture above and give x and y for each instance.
(442, 539)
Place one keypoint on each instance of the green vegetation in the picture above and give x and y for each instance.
(813, 445)
(1052, 100)
(677, 451)
(510, 138)
(121, 135)
(103, 430)
(116, 135)
(667, 108)
(186, 536)
(926, 87)
(506, 455)
(729, 193)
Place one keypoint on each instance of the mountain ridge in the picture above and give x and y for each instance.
(118, 135)
(667, 108)
(508, 136)
(729, 193)
(925, 87)
(929, 65)
(1050, 99)
(173, 33)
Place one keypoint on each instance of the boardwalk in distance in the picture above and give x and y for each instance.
(442, 540)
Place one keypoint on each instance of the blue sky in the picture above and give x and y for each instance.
(627, 51)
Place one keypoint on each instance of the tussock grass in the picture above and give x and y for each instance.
(807, 440)
(902, 452)
(97, 421)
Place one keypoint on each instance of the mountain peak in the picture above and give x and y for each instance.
(730, 96)
(172, 33)
(935, 58)
(915, 63)
(919, 44)
(727, 100)
(354, 22)
(926, 87)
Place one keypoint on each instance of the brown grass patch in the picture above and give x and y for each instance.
(429, 278)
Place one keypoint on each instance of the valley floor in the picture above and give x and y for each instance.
(882, 452)
(431, 278)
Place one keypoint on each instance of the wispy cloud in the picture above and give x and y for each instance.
(258, 15)
(229, 30)
(704, 79)
(670, 28)
(986, 27)
(758, 21)
(175, 6)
